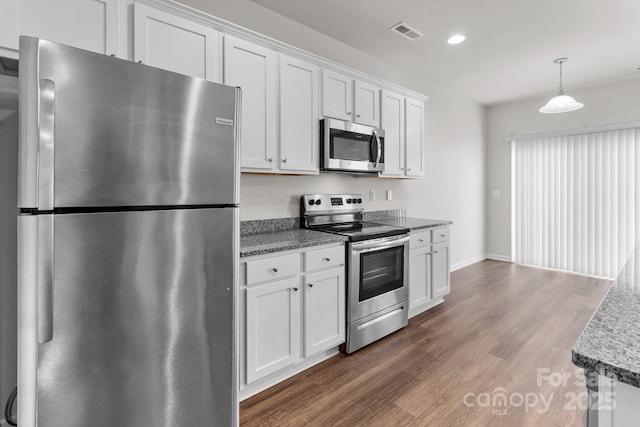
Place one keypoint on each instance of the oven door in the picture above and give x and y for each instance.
(352, 147)
(378, 274)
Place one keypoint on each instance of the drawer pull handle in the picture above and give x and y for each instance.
(275, 270)
(435, 252)
(420, 240)
(295, 289)
(311, 285)
(325, 259)
(270, 159)
(442, 235)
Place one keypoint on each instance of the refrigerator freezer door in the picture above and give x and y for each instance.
(142, 320)
(98, 131)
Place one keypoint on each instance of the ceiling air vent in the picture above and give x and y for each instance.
(406, 31)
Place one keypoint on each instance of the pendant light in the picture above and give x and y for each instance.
(561, 103)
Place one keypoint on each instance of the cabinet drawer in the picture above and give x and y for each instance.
(272, 268)
(440, 235)
(420, 239)
(321, 258)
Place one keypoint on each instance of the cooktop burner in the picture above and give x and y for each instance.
(359, 231)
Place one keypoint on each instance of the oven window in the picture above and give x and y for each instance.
(350, 146)
(380, 272)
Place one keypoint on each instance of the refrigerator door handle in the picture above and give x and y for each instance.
(46, 135)
(45, 278)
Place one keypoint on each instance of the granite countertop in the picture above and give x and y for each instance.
(276, 241)
(259, 237)
(610, 343)
(411, 223)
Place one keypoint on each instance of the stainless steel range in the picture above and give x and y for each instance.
(377, 266)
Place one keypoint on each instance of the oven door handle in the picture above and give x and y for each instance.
(371, 246)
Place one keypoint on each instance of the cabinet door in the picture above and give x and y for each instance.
(414, 124)
(441, 274)
(367, 104)
(273, 327)
(299, 120)
(337, 95)
(324, 310)
(88, 24)
(166, 41)
(419, 278)
(252, 68)
(392, 116)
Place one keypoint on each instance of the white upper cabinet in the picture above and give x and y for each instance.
(367, 104)
(337, 95)
(414, 128)
(394, 139)
(88, 24)
(176, 44)
(253, 69)
(299, 116)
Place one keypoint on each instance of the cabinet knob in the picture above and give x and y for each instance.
(284, 160)
(442, 235)
(275, 270)
(326, 259)
(357, 115)
(295, 289)
(140, 62)
(420, 240)
(348, 113)
(113, 55)
(435, 252)
(408, 169)
(270, 159)
(311, 285)
(428, 253)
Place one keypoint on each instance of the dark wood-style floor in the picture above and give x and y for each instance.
(496, 353)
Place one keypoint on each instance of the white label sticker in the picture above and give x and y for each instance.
(226, 122)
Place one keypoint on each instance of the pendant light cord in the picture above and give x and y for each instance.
(560, 88)
(8, 409)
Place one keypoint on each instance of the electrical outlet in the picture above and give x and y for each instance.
(372, 194)
(389, 195)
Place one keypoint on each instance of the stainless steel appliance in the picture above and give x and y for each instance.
(128, 243)
(377, 266)
(350, 147)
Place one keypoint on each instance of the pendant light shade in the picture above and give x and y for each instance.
(561, 103)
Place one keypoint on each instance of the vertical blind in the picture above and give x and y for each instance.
(576, 201)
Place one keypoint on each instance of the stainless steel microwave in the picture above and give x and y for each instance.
(350, 147)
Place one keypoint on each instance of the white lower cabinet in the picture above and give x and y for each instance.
(273, 327)
(429, 271)
(324, 317)
(292, 314)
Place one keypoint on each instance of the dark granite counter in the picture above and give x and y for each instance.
(281, 234)
(610, 343)
(412, 223)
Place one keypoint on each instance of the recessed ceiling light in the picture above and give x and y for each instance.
(457, 39)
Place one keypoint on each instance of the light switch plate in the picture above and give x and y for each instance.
(372, 194)
(389, 195)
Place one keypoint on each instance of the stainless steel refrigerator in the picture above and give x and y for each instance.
(127, 243)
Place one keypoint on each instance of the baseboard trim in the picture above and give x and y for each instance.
(467, 262)
(497, 257)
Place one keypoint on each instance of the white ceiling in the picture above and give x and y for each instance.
(510, 46)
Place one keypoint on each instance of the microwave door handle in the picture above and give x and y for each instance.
(379, 149)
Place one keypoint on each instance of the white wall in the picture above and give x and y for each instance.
(613, 103)
(455, 150)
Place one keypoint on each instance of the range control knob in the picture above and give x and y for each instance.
(311, 202)
(318, 201)
(359, 200)
(348, 200)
